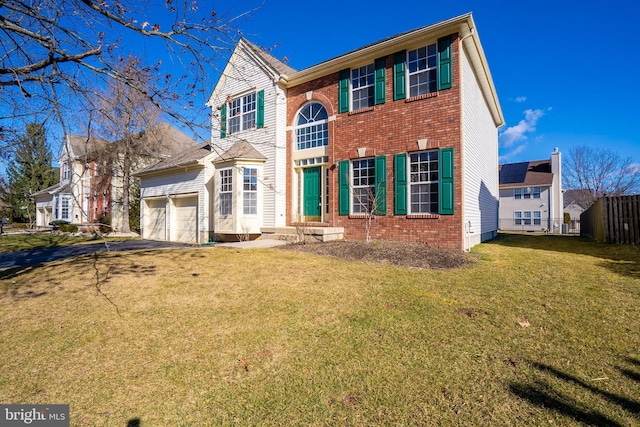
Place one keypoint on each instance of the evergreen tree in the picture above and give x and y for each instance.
(29, 171)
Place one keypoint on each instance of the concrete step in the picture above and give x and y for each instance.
(295, 233)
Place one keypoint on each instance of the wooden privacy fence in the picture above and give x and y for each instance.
(613, 219)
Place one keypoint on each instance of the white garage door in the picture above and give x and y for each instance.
(155, 219)
(184, 220)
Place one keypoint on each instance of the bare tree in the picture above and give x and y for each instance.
(124, 112)
(598, 172)
(55, 54)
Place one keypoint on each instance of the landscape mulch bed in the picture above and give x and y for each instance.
(402, 254)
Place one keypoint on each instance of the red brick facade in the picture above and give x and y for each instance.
(384, 130)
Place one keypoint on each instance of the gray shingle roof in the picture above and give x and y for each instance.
(161, 139)
(273, 62)
(188, 157)
(240, 150)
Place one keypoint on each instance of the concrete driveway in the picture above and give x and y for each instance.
(39, 256)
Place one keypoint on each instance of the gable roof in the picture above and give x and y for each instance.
(271, 65)
(526, 174)
(80, 146)
(161, 139)
(240, 150)
(54, 189)
(277, 65)
(190, 157)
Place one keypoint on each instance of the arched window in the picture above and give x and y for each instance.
(311, 126)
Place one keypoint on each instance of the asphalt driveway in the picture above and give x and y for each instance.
(39, 256)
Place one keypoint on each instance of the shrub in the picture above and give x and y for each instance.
(68, 228)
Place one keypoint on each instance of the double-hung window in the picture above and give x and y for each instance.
(421, 64)
(65, 207)
(423, 70)
(242, 113)
(362, 186)
(424, 182)
(527, 218)
(517, 218)
(250, 191)
(362, 87)
(225, 193)
(527, 193)
(536, 218)
(363, 182)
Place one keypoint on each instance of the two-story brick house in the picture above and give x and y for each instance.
(411, 125)
(405, 127)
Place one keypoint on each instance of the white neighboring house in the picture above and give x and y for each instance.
(531, 196)
(91, 188)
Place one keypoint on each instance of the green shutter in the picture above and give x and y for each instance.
(446, 181)
(399, 77)
(223, 121)
(381, 185)
(343, 91)
(343, 187)
(380, 87)
(400, 184)
(260, 110)
(444, 63)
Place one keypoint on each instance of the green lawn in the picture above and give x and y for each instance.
(543, 330)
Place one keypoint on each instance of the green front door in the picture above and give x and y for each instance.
(312, 193)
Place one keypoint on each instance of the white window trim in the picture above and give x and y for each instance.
(425, 70)
(323, 122)
(370, 72)
(225, 192)
(430, 182)
(245, 192)
(369, 188)
(241, 115)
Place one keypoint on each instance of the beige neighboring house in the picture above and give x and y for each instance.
(91, 185)
(531, 196)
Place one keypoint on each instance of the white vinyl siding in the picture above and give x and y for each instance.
(244, 74)
(479, 160)
(193, 183)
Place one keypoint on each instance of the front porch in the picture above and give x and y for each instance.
(303, 232)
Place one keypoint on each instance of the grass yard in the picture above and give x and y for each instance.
(542, 330)
(31, 241)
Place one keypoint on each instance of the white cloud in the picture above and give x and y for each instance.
(518, 132)
(520, 99)
(519, 149)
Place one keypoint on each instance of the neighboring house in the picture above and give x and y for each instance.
(531, 196)
(405, 127)
(90, 186)
(575, 202)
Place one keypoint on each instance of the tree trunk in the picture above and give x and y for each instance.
(126, 176)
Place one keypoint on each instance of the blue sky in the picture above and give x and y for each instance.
(567, 73)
